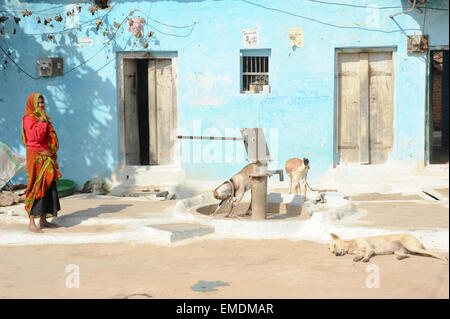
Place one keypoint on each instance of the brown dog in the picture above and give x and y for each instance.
(234, 189)
(297, 169)
(364, 248)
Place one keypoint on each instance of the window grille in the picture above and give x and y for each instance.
(255, 73)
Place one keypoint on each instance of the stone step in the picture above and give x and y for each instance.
(170, 233)
(149, 192)
(162, 194)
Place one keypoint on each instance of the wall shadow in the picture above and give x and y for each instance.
(81, 103)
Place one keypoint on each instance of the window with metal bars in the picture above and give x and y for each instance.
(255, 74)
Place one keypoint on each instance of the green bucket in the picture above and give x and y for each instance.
(65, 187)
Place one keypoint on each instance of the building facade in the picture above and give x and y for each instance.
(338, 82)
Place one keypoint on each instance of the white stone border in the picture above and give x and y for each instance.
(317, 228)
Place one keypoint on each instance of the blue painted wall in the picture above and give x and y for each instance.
(298, 114)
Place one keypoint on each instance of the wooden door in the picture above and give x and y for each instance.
(162, 111)
(365, 107)
(131, 127)
(152, 100)
(381, 106)
(349, 107)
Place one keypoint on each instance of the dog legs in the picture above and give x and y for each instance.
(295, 183)
(249, 209)
(239, 194)
(421, 251)
(399, 250)
(219, 207)
(290, 183)
(304, 186)
(368, 255)
(401, 254)
(359, 256)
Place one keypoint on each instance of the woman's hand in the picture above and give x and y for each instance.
(39, 115)
(40, 118)
(46, 153)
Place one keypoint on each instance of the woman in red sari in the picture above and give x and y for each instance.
(41, 141)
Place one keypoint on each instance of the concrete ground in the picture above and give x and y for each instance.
(211, 267)
(230, 268)
(404, 215)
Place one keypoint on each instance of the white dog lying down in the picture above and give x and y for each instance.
(364, 248)
(234, 189)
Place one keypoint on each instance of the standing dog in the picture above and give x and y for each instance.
(234, 189)
(364, 248)
(297, 169)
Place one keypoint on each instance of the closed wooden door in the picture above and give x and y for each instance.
(131, 129)
(365, 107)
(162, 113)
(381, 106)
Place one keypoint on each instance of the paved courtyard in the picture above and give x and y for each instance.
(111, 265)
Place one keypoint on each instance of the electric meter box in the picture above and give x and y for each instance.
(50, 66)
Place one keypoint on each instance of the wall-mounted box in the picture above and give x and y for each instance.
(417, 44)
(50, 66)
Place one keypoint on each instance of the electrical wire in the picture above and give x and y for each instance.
(423, 24)
(48, 9)
(74, 28)
(110, 39)
(372, 7)
(135, 10)
(114, 36)
(165, 24)
(192, 26)
(353, 5)
(114, 58)
(20, 68)
(172, 34)
(36, 78)
(326, 23)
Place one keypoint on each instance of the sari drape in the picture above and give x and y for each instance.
(41, 170)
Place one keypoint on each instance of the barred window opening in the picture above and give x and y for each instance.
(255, 73)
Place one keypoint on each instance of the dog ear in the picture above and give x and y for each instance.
(334, 236)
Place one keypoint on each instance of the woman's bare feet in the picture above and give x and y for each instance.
(33, 228)
(44, 223)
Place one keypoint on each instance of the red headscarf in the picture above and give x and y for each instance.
(32, 107)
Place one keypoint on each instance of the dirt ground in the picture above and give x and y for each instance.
(239, 268)
(216, 268)
(403, 215)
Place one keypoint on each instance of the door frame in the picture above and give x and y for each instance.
(120, 56)
(429, 104)
(338, 51)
